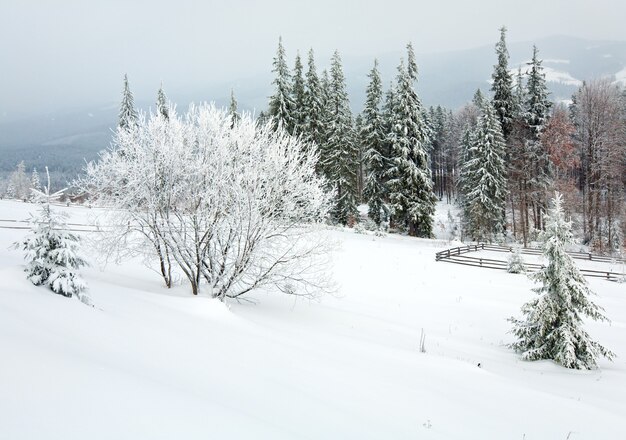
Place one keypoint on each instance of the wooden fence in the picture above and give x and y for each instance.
(458, 255)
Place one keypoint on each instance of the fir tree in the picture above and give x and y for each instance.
(298, 97)
(478, 98)
(161, 103)
(35, 183)
(410, 183)
(552, 327)
(128, 114)
(340, 158)
(519, 97)
(51, 252)
(372, 137)
(20, 183)
(281, 104)
(538, 170)
(502, 87)
(485, 178)
(537, 103)
(515, 263)
(10, 191)
(232, 109)
(313, 104)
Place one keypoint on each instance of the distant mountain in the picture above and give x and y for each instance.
(64, 139)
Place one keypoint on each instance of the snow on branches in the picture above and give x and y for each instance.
(232, 207)
(552, 325)
(52, 253)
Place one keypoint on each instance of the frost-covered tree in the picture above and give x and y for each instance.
(538, 166)
(519, 96)
(314, 101)
(35, 183)
(232, 109)
(298, 97)
(538, 104)
(128, 113)
(410, 184)
(484, 178)
(20, 183)
(552, 327)
(52, 253)
(161, 104)
(234, 207)
(503, 99)
(340, 151)
(10, 191)
(372, 136)
(281, 103)
(515, 262)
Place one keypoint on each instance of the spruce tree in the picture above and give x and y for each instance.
(298, 97)
(340, 158)
(502, 86)
(484, 180)
(538, 170)
(519, 96)
(372, 137)
(537, 103)
(161, 103)
(410, 183)
(20, 183)
(35, 183)
(552, 327)
(232, 109)
(51, 252)
(281, 104)
(128, 114)
(313, 104)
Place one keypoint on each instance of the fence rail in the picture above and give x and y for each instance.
(458, 255)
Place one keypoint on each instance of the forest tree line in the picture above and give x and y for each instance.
(499, 158)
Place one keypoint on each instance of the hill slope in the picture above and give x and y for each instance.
(152, 363)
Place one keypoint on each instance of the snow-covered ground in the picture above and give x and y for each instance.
(148, 363)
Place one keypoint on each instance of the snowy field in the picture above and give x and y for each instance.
(148, 363)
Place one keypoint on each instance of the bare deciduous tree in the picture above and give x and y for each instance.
(233, 207)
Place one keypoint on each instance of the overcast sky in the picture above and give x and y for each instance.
(59, 53)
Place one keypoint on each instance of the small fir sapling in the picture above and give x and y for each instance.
(51, 252)
(552, 326)
(516, 262)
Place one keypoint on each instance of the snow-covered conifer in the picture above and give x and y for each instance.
(162, 105)
(484, 178)
(340, 152)
(515, 262)
(537, 103)
(372, 137)
(52, 253)
(232, 109)
(410, 183)
(298, 97)
(20, 183)
(502, 87)
(539, 167)
(552, 327)
(128, 113)
(313, 104)
(281, 104)
(35, 183)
